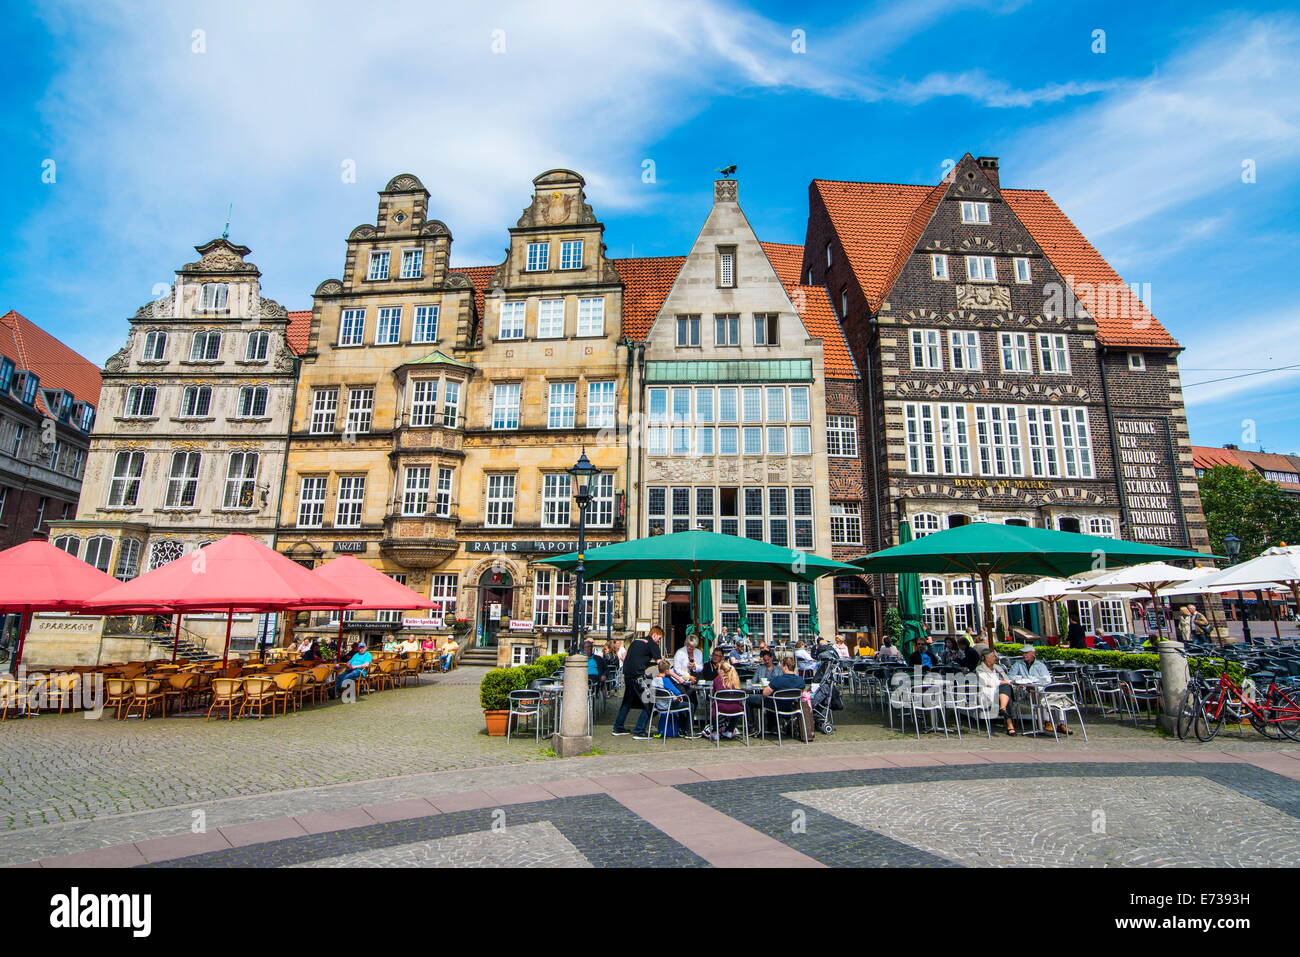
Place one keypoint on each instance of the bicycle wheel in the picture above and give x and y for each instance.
(1281, 716)
(1209, 721)
(1191, 711)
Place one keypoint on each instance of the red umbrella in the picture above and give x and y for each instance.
(375, 590)
(36, 576)
(234, 574)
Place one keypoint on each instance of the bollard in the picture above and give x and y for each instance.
(573, 739)
(1173, 681)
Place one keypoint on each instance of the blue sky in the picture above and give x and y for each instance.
(153, 129)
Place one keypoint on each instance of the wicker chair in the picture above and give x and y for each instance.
(258, 693)
(66, 689)
(287, 691)
(320, 688)
(13, 697)
(179, 690)
(117, 694)
(147, 692)
(390, 669)
(409, 669)
(227, 693)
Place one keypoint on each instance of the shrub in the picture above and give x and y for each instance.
(494, 690)
(1122, 660)
(892, 626)
(550, 662)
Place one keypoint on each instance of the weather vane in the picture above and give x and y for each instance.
(225, 233)
(729, 171)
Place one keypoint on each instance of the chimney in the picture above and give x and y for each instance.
(1230, 446)
(990, 166)
(725, 191)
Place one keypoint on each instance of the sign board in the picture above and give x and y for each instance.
(352, 547)
(539, 545)
(517, 624)
(494, 611)
(421, 622)
(1149, 481)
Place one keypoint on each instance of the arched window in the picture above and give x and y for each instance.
(259, 344)
(1068, 523)
(1101, 527)
(128, 560)
(241, 480)
(924, 523)
(68, 543)
(196, 401)
(155, 347)
(936, 619)
(963, 616)
(98, 552)
(205, 347)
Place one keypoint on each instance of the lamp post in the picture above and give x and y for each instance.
(573, 738)
(1232, 545)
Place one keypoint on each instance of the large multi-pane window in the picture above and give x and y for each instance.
(571, 254)
(591, 316)
(539, 257)
(352, 495)
(600, 513)
(1110, 617)
(997, 431)
(505, 405)
(783, 408)
(1076, 444)
(415, 490)
(241, 480)
(925, 523)
(842, 435)
(196, 401)
(379, 260)
(934, 615)
(450, 404)
(926, 350)
(550, 319)
(424, 402)
(512, 320)
(1014, 347)
(600, 405)
(311, 501)
(1053, 353)
(124, 490)
(775, 514)
(155, 347)
(252, 401)
(352, 327)
(846, 523)
(128, 560)
(183, 480)
(964, 351)
(324, 407)
(772, 608)
(561, 406)
(388, 328)
(425, 328)
(500, 511)
(726, 329)
(442, 592)
(259, 344)
(442, 494)
(556, 498)
(552, 598)
(412, 263)
(361, 409)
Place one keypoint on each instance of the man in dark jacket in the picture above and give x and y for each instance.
(1075, 634)
(643, 653)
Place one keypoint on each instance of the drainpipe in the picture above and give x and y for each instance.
(284, 475)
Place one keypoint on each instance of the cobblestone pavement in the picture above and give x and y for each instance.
(134, 792)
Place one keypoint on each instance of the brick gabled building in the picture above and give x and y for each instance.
(1009, 374)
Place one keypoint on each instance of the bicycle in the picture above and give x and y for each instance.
(1206, 705)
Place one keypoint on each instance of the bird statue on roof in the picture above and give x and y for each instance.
(729, 171)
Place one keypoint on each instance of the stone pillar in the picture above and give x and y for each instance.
(1173, 681)
(573, 739)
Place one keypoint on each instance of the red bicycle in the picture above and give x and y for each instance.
(1208, 704)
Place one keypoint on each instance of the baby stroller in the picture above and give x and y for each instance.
(826, 698)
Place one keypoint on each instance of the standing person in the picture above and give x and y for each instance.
(642, 654)
(1074, 632)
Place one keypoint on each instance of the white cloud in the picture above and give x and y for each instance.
(1220, 354)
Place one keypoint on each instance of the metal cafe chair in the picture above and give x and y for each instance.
(786, 703)
(525, 706)
(741, 718)
(666, 705)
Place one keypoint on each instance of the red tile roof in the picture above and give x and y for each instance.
(879, 224)
(646, 283)
(57, 366)
(299, 331)
(1122, 318)
(786, 260)
(822, 323)
(1205, 457)
(479, 276)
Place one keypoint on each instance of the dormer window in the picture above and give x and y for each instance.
(539, 257)
(378, 265)
(726, 267)
(6, 373)
(25, 385)
(977, 213)
(214, 295)
(155, 347)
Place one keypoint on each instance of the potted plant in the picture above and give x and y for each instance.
(459, 626)
(494, 696)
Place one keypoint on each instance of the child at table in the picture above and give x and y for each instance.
(726, 713)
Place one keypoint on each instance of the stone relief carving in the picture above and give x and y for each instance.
(161, 308)
(403, 182)
(364, 231)
(330, 287)
(435, 227)
(982, 296)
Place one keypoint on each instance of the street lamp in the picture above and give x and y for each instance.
(1232, 545)
(573, 738)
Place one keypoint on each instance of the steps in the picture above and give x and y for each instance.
(485, 657)
(186, 650)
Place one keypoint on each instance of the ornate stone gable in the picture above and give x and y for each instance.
(558, 200)
(221, 257)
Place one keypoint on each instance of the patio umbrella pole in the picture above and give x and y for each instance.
(1272, 608)
(176, 641)
(24, 622)
(225, 654)
(988, 608)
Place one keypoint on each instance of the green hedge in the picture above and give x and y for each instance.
(1122, 660)
(494, 690)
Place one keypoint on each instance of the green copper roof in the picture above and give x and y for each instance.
(730, 370)
(437, 357)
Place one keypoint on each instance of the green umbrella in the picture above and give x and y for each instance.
(742, 610)
(985, 549)
(814, 622)
(704, 614)
(911, 607)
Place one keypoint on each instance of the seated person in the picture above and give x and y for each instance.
(767, 668)
(995, 688)
(1029, 668)
(725, 713)
(390, 643)
(888, 650)
(969, 657)
(664, 681)
(448, 653)
(951, 654)
(713, 666)
(788, 679)
(841, 648)
(311, 652)
(801, 651)
(921, 656)
(356, 667)
(411, 645)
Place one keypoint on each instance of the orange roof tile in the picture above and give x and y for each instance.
(786, 260)
(479, 276)
(298, 332)
(1122, 319)
(646, 283)
(57, 366)
(822, 323)
(1206, 457)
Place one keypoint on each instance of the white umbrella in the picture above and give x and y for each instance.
(1148, 579)
(1045, 589)
(1278, 567)
(948, 601)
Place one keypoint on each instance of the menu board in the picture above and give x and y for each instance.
(1149, 482)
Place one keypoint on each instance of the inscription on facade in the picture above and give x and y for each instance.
(1146, 472)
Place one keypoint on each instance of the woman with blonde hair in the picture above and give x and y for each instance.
(726, 713)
